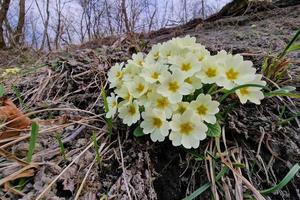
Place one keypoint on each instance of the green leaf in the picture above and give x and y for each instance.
(106, 109)
(32, 142)
(294, 47)
(285, 89)
(19, 96)
(284, 94)
(290, 45)
(214, 130)
(2, 90)
(196, 155)
(204, 187)
(285, 121)
(138, 132)
(292, 173)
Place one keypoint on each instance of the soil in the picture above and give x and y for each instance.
(70, 79)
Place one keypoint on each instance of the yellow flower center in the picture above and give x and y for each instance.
(155, 75)
(231, 74)
(168, 53)
(186, 67)
(140, 62)
(157, 123)
(114, 104)
(173, 86)
(186, 128)
(162, 103)
(189, 80)
(244, 91)
(201, 110)
(127, 96)
(200, 57)
(140, 88)
(131, 110)
(181, 109)
(211, 72)
(119, 74)
(156, 56)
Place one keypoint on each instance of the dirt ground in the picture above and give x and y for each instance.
(67, 84)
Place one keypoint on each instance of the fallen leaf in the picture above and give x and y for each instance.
(10, 112)
(8, 187)
(27, 171)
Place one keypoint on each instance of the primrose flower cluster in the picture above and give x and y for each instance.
(163, 90)
(10, 71)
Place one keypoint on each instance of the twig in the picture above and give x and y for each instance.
(73, 161)
(84, 179)
(124, 170)
(73, 135)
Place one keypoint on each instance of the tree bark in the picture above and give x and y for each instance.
(45, 22)
(58, 26)
(124, 12)
(3, 12)
(18, 35)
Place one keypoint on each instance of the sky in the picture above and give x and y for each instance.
(72, 12)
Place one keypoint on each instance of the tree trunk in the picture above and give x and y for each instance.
(3, 12)
(58, 26)
(46, 22)
(124, 12)
(18, 35)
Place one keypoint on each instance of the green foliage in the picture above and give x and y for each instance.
(2, 90)
(285, 121)
(290, 175)
(204, 187)
(61, 146)
(275, 68)
(32, 142)
(96, 147)
(106, 109)
(214, 130)
(18, 95)
(138, 132)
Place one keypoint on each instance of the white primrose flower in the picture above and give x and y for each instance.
(187, 130)
(163, 104)
(152, 72)
(211, 71)
(115, 75)
(236, 71)
(187, 64)
(184, 42)
(11, 71)
(154, 55)
(112, 102)
(130, 72)
(195, 82)
(168, 50)
(137, 87)
(205, 108)
(253, 94)
(170, 73)
(146, 99)
(156, 124)
(200, 52)
(181, 107)
(124, 93)
(137, 59)
(129, 112)
(173, 86)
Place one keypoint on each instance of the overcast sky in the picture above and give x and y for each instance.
(72, 12)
